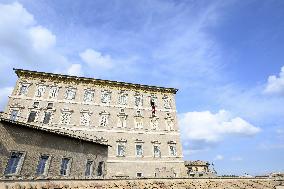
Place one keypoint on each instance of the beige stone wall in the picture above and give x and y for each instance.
(34, 143)
(149, 184)
(111, 132)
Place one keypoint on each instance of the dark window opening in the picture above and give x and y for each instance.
(42, 164)
(100, 168)
(64, 166)
(13, 162)
(47, 116)
(14, 114)
(32, 116)
(89, 166)
(36, 104)
(139, 174)
(50, 105)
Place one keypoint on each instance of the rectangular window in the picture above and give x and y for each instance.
(70, 94)
(40, 90)
(120, 150)
(49, 105)
(36, 104)
(173, 150)
(122, 100)
(85, 118)
(139, 174)
(139, 150)
(89, 96)
(138, 123)
(89, 167)
(170, 124)
(23, 89)
(154, 123)
(138, 100)
(14, 163)
(167, 102)
(100, 168)
(104, 120)
(41, 168)
(157, 152)
(121, 121)
(32, 116)
(14, 115)
(66, 118)
(65, 167)
(53, 92)
(105, 98)
(47, 116)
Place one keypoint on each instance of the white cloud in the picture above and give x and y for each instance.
(75, 69)
(26, 44)
(42, 38)
(206, 128)
(219, 157)
(4, 93)
(275, 85)
(96, 59)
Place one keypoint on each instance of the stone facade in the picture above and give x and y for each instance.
(143, 144)
(40, 154)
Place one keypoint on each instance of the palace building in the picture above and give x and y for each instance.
(137, 122)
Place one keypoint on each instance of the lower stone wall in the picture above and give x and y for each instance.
(150, 169)
(218, 183)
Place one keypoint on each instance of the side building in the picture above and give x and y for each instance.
(32, 152)
(139, 122)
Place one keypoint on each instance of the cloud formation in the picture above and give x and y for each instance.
(26, 44)
(205, 128)
(275, 84)
(96, 59)
(75, 69)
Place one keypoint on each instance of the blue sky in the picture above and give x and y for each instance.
(225, 57)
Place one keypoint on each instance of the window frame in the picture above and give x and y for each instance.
(108, 98)
(88, 123)
(17, 115)
(19, 164)
(35, 117)
(41, 93)
(90, 91)
(27, 85)
(140, 102)
(141, 174)
(68, 168)
(142, 149)
(46, 167)
(66, 112)
(67, 94)
(124, 149)
(91, 169)
(160, 154)
(175, 150)
(50, 117)
(53, 90)
(101, 166)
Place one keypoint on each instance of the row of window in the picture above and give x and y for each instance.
(16, 160)
(89, 95)
(85, 118)
(121, 147)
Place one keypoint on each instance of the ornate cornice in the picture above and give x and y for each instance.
(99, 82)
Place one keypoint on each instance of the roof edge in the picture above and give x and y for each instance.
(100, 81)
(57, 132)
